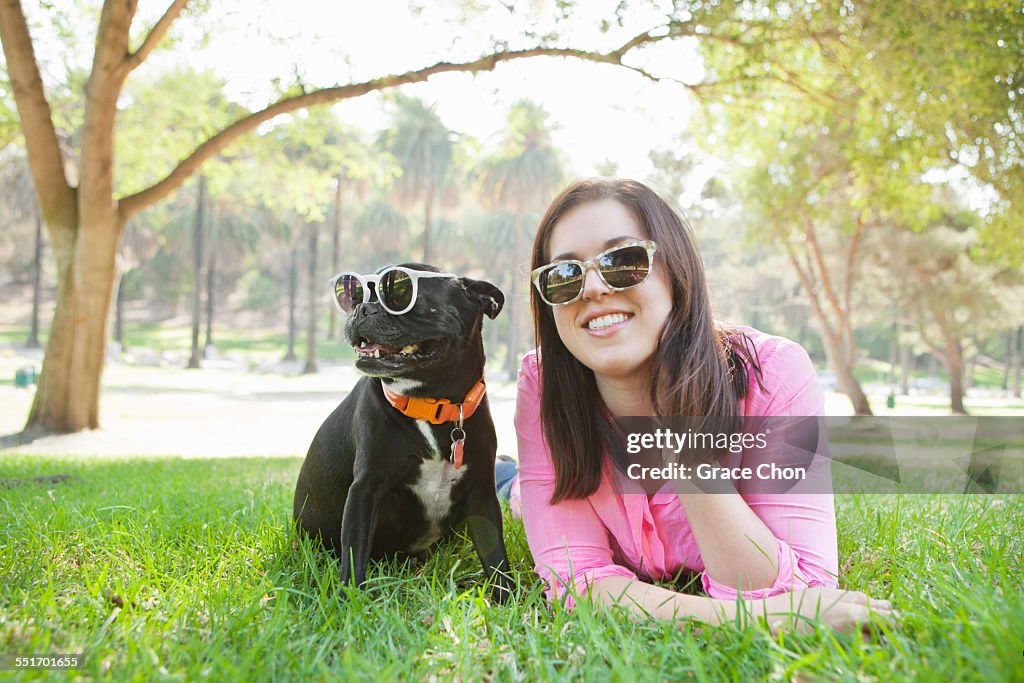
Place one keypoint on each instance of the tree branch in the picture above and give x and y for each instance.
(853, 249)
(819, 259)
(134, 203)
(156, 34)
(807, 282)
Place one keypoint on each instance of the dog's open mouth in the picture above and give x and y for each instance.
(411, 352)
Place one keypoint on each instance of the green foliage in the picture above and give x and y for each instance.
(909, 86)
(180, 108)
(259, 292)
(188, 568)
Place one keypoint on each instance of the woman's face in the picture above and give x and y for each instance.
(615, 334)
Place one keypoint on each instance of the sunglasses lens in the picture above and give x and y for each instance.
(626, 267)
(395, 290)
(561, 282)
(349, 292)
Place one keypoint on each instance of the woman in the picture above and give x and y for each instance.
(624, 328)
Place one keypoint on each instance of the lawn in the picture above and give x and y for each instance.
(187, 569)
(253, 344)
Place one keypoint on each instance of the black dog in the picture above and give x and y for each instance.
(377, 482)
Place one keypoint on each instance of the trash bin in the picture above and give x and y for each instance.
(25, 376)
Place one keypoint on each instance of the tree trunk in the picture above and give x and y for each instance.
(905, 370)
(1008, 366)
(68, 396)
(846, 380)
(512, 304)
(37, 284)
(197, 275)
(894, 352)
(955, 369)
(1017, 363)
(332, 326)
(292, 268)
(119, 311)
(211, 282)
(313, 289)
(428, 209)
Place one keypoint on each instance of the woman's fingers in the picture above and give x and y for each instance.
(845, 611)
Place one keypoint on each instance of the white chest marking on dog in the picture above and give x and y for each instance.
(433, 488)
(403, 386)
(435, 450)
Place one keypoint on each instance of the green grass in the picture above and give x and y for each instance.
(187, 569)
(247, 342)
(254, 343)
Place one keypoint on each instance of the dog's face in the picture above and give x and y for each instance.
(442, 327)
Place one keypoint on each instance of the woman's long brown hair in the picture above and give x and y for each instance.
(700, 369)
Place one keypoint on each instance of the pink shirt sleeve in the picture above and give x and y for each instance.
(570, 545)
(804, 524)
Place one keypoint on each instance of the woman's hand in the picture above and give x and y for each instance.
(841, 610)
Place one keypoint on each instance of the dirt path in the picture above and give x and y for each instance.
(221, 410)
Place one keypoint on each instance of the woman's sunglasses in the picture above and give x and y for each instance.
(396, 288)
(621, 267)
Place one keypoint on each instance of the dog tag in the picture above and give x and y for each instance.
(457, 452)
(458, 440)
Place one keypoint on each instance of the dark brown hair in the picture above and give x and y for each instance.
(700, 369)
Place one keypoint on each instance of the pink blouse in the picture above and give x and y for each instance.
(576, 542)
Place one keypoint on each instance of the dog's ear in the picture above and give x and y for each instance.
(489, 297)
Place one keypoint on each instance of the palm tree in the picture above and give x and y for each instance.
(423, 148)
(230, 235)
(520, 178)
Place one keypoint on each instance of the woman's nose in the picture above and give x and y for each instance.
(593, 285)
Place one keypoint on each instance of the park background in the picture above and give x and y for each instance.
(168, 200)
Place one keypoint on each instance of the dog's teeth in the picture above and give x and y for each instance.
(376, 353)
(411, 348)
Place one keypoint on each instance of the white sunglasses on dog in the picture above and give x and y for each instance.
(396, 288)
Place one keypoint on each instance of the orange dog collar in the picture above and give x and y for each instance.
(437, 410)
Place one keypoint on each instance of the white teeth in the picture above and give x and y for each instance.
(606, 321)
(376, 353)
(410, 349)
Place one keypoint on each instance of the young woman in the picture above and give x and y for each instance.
(624, 328)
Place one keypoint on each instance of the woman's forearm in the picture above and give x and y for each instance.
(645, 599)
(838, 609)
(737, 549)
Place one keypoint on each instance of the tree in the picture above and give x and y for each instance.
(951, 296)
(520, 177)
(423, 148)
(85, 218)
(951, 75)
(808, 193)
(198, 247)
